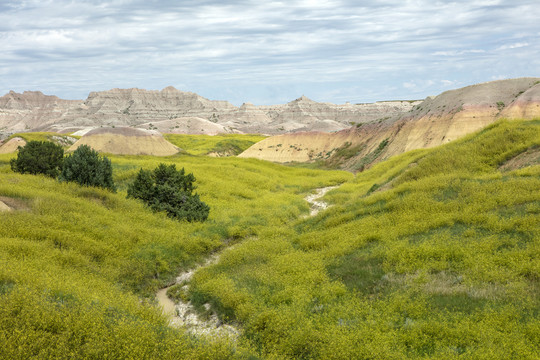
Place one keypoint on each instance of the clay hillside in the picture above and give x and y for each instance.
(11, 145)
(126, 141)
(174, 111)
(434, 121)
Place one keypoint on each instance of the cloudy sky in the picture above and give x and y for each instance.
(267, 52)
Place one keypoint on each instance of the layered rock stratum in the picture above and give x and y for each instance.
(353, 135)
(174, 111)
(436, 120)
(32, 110)
(126, 141)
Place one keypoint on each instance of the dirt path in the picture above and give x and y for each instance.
(184, 313)
(316, 205)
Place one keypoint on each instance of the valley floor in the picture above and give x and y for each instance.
(432, 254)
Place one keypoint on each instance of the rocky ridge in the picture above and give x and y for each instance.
(174, 111)
(31, 110)
(436, 120)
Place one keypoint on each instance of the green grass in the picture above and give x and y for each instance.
(232, 144)
(39, 136)
(442, 263)
(432, 254)
(85, 256)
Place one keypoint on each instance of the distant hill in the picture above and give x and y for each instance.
(434, 121)
(126, 141)
(174, 111)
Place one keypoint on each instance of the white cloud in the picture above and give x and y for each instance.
(244, 47)
(513, 46)
(457, 53)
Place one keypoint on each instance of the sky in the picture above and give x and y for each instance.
(267, 52)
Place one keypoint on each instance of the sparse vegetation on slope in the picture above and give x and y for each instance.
(61, 139)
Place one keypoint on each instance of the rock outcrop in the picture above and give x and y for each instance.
(456, 113)
(31, 110)
(172, 110)
(299, 147)
(135, 107)
(186, 125)
(379, 130)
(436, 120)
(304, 114)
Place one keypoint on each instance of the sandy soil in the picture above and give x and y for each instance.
(317, 206)
(12, 145)
(183, 314)
(4, 207)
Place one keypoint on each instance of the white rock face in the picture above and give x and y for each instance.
(172, 110)
(31, 110)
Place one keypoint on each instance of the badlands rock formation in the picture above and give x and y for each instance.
(12, 145)
(304, 114)
(434, 121)
(172, 110)
(379, 130)
(126, 141)
(139, 108)
(456, 113)
(31, 110)
(300, 146)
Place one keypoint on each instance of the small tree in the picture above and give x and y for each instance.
(86, 167)
(39, 157)
(170, 190)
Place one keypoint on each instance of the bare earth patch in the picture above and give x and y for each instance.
(184, 314)
(12, 145)
(126, 141)
(4, 207)
(527, 158)
(316, 205)
(10, 204)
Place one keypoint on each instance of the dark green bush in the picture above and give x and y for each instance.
(86, 167)
(170, 190)
(39, 157)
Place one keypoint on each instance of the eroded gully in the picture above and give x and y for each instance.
(183, 314)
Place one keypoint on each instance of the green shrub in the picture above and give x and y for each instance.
(86, 167)
(39, 157)
(170, 190)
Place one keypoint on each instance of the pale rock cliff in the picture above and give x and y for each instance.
(30, 110)
(172, 110)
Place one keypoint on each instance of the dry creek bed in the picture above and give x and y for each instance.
(183, 314)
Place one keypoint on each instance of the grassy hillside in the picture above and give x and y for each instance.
(76, 261)
(42, 136)
(431, 254)
(231, 144)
